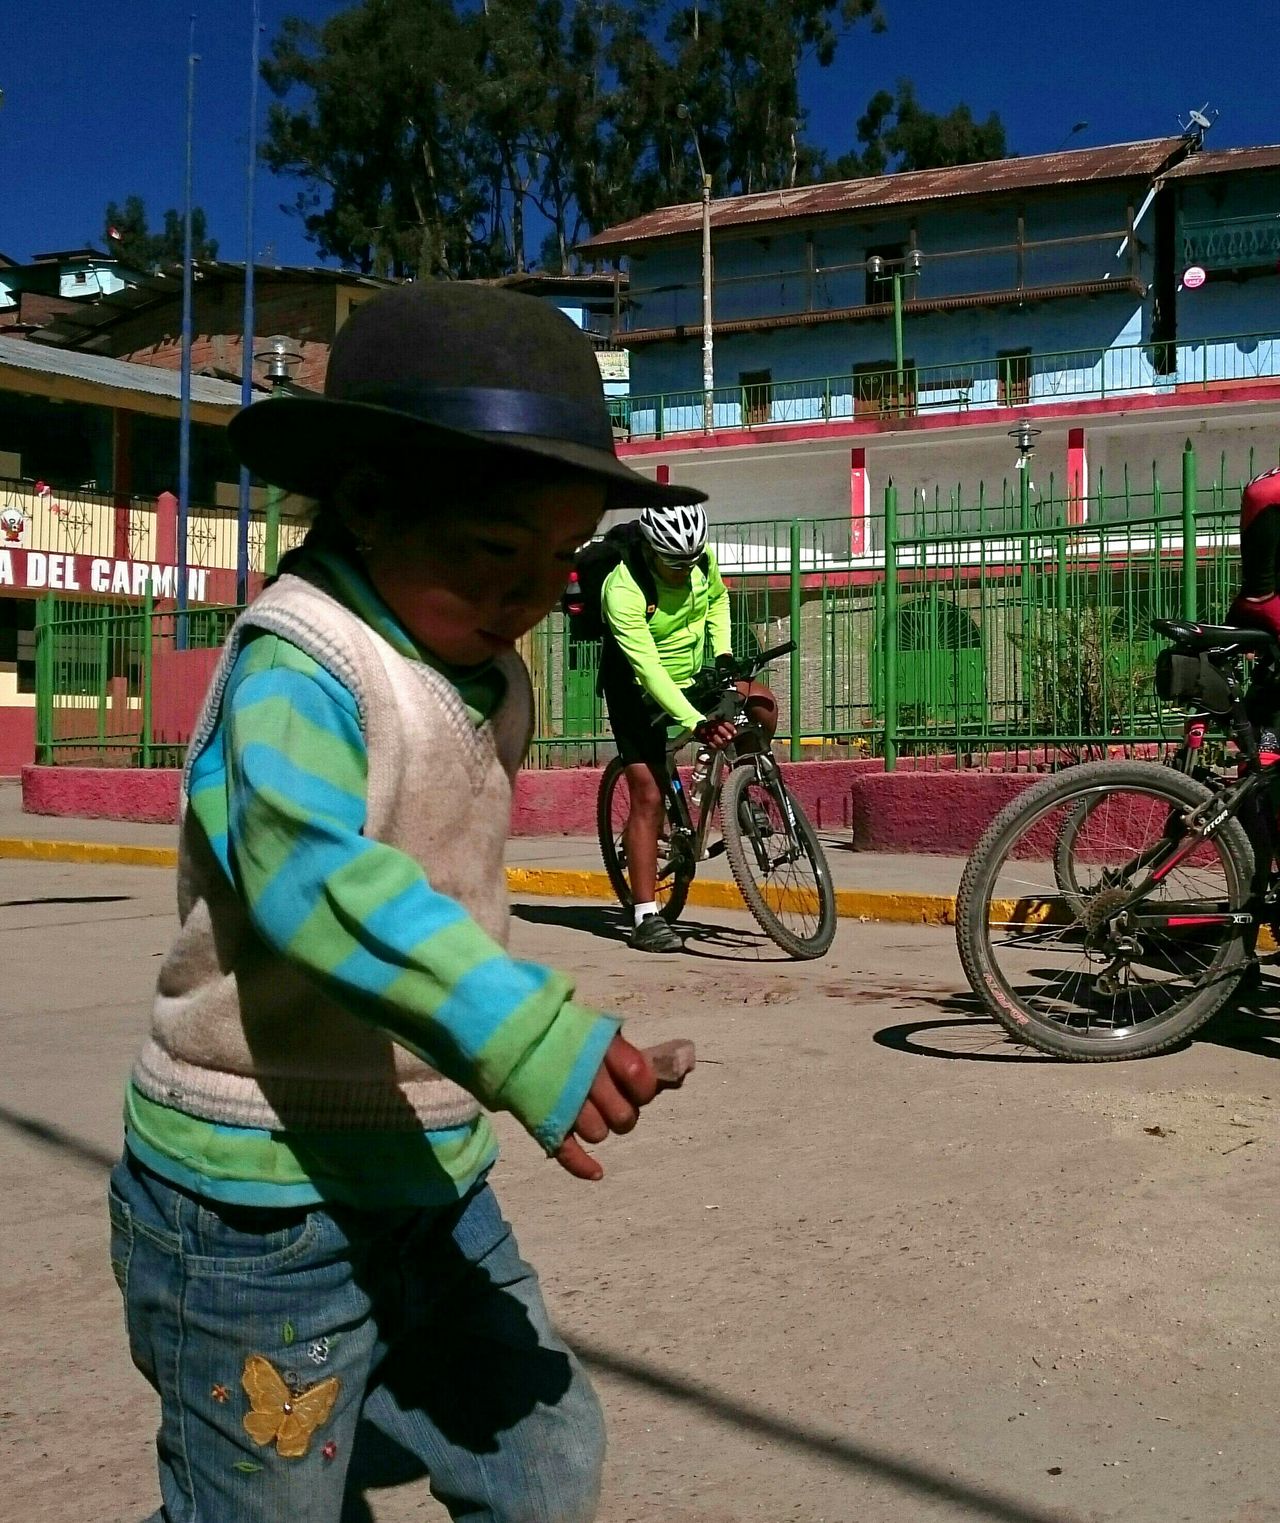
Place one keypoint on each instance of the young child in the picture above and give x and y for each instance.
(316, 1276)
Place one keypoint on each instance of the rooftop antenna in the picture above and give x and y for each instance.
(1197, 124)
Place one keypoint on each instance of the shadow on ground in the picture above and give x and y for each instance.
(610, 922)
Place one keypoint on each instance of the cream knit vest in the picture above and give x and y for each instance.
(243, 1037)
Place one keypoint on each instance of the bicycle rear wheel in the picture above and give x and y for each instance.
(1079, 877)
(675, 864)
(777, 862)
(1077, 971)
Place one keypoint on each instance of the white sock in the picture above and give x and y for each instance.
(645, 910)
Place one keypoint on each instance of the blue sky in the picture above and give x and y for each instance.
(94, 107)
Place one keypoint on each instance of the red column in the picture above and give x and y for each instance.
(166, 529)
(859, 500)
(121, 478)
(1077, 477)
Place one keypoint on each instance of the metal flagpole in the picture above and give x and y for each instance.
(184, 403)
(246, 347)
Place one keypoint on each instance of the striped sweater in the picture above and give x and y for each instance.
(279, 794)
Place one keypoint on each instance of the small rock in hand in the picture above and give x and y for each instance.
(671, 1061)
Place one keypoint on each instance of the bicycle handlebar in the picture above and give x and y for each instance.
(764, 658)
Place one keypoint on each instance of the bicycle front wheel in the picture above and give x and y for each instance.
(1074, 968)
(675, 864)
(777, 862)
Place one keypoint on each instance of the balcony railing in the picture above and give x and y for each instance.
(1232, 243)
(1017, 380)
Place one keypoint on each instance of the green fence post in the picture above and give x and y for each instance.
(889, 635)
(148, 635)
(795, 669)
(271, 533)
(104, 651)
(1024, 525)
(1188, 531)
(44, 680)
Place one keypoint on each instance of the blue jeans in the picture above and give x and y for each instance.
(304, 1357)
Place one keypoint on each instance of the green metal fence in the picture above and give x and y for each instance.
(1000, 629)
(115, 686)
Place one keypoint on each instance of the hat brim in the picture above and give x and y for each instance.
(305, 444)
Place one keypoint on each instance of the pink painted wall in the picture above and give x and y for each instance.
(941, 812)
(148, 795)
(563, 801)
(180, 679)
(17, 740)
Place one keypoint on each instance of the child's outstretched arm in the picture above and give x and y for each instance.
(363, 919)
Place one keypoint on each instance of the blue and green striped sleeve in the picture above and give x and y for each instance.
(361, 916)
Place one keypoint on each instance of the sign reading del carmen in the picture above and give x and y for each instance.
(55, 571)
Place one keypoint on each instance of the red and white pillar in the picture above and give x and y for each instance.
(859, 501)
(1077, 477)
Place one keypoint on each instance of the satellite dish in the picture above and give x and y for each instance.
(1200, 119)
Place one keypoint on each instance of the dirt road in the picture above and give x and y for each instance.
(871, 1264)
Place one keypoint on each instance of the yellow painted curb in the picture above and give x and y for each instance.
(566, 883)
(715, 893)
(544, 882)
(24, 849)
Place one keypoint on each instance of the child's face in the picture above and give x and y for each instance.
(467, 586)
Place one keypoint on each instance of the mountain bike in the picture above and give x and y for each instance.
(1111, 909)
(773, 850)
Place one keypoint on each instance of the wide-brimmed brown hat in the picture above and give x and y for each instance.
(445, 366)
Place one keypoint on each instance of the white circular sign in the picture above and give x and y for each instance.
(1193, 277)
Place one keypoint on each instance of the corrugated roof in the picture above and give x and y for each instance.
(122, 375)
(87, 327)
(54, 255)
(1226, 160)
(1120, 161)
(591, 284)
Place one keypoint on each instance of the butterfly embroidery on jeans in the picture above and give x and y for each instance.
(281, 1415)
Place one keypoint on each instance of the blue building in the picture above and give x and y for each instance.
(1118, 299)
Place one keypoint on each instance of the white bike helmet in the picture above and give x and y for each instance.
(676, 534)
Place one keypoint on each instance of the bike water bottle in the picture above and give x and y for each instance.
(701, 767)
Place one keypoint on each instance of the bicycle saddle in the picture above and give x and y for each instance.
(1216, 637)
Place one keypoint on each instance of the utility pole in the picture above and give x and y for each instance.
(184, 387)
(246, 340)
(708, 359)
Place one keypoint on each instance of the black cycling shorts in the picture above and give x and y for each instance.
(639, 727)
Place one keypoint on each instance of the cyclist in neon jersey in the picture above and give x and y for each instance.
(653, 650)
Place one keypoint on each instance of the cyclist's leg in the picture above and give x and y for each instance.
(644, 826)
(641, 740)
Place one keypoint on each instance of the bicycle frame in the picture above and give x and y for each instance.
(1229, 800)
(750, 747)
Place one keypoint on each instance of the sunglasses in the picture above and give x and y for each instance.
(676, 565)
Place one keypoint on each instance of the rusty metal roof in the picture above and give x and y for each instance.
(1225, 160)
(1077, 166)
(537, 282)
(34, 364)
(89, 326)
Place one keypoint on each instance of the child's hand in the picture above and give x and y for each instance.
(624, 1082)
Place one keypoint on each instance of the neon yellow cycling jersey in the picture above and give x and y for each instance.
(689, 628)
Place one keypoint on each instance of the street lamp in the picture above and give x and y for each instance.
(897, 270)
(281, 361)
(708, 367)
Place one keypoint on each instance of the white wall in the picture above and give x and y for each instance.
(811, 480)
